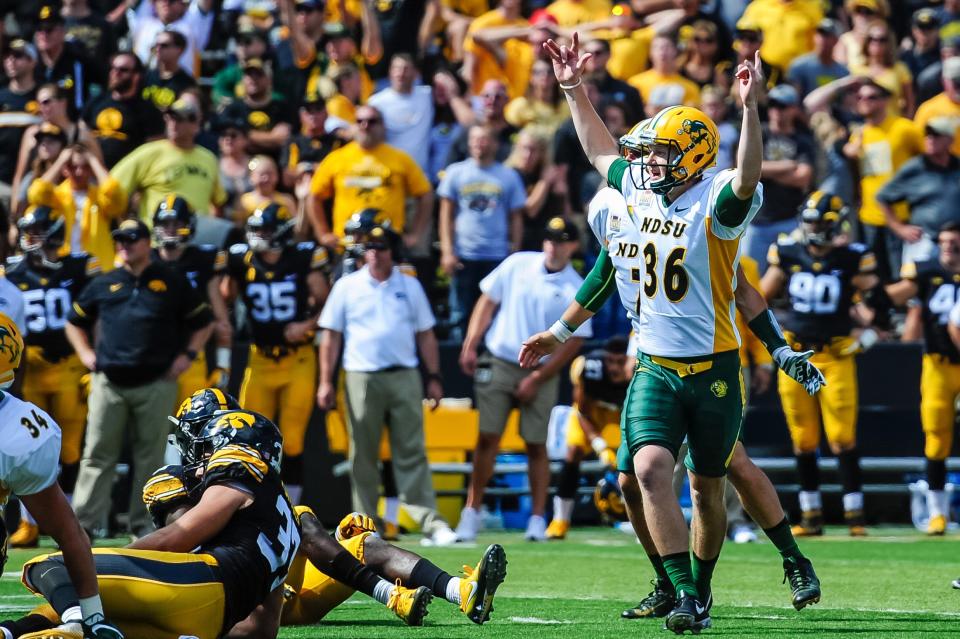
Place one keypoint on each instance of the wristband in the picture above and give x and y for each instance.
(599, 444)
(561, 330)
(767, 330)
(568, 87)
(223, 358)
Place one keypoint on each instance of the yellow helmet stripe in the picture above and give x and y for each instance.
(221, 399)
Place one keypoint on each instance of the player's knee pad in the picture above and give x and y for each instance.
(291, 470)
(937, 443)
(936, 474)
(851, 477)
(809, 471)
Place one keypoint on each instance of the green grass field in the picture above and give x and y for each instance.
(896, 583)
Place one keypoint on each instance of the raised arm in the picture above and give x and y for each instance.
(750, 151)
(598, 145)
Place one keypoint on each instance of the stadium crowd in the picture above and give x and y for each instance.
(290, 143)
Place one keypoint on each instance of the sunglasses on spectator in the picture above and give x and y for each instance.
(314, 108)
(703, 40)
(184, 118)
(307, 9)
(750, 36)
(166, 44)
(126, 240)
(370, 121)
(864, 11)
(233, 133)
(493, 96)
(877, 39)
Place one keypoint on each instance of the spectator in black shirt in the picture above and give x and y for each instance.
(18, 109)
(150, 323)
(164, 83)
(925, 33)
(608, 86)
(267, 112)
(405, 27)
(89, 28)
(313, 143)
(63, 63)
(121, 119)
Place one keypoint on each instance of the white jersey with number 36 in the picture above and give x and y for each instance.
(30, 449)
(675, 264)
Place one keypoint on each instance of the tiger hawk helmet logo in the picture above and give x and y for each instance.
(11, 349)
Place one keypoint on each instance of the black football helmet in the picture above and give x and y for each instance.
(363, 221)
(821, 216)
(193, 415)
(174, 222)
(240, 428)
(41, 227)
(269, 227)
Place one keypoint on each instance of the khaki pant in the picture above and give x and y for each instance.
(494, 384)
(114, 412)
(394, 397)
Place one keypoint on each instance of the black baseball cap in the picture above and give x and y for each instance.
(131, 230)
(49, 14)
(561, 230)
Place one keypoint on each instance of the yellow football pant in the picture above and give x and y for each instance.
(282, 389)
(309, 594)
(192, 379)
(602, 419)
(56, 388)
(156, 595)
(836, 404)
(939, 387)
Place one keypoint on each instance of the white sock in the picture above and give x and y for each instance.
(453, 591)
(391, 509)
(937, 502)
(91, 606)
(853, 502)
(73, 614)
(294, 491)
(382, 591)
(26, 516)
(562, 509)
(810, 500)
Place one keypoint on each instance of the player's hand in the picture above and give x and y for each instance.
(537, 346)
(298, 332)
(434, 393)
(797, 367)
(526, 390)
(760, 379)
(750, 81)
(330, 241)
(468, 361)
(326, 396)
(909, 233)
(354, 524)
(608, 457)
(96, 627)
(567, 61)
(219, 378)
(180, 364)
(89, 359)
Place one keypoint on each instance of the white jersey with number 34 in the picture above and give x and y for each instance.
(30, 449)
(675, 264)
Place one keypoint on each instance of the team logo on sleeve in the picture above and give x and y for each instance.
(719, 388)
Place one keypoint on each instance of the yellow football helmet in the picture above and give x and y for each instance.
(11, 349)
(691, 139)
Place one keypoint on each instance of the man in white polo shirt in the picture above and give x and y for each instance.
(381, 317)
(519, 295)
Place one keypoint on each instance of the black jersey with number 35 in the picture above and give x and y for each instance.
(820, 289)
(939, 290)
(275, 294)
(48, 294)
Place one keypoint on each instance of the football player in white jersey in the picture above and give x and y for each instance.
(679, 248)
(28, 469)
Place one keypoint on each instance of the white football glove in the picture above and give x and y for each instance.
(797, 366)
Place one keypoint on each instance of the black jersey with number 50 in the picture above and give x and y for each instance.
(275, 294)
(820, 290)
(48, 294)
(939, 290)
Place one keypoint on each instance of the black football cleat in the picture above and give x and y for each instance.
(689, 614)
(658, 603)
(803, 582)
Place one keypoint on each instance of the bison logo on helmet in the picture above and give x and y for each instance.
(9, 347)
(698, 133)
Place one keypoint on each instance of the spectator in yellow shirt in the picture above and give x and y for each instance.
(542, 105)
(570, 13)
(863, 14)
(880, 147)
(88, 207)
(368, 173)
(496, 48)
(788, 27)
(881, 64)
(663, 71)
(945, 104)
